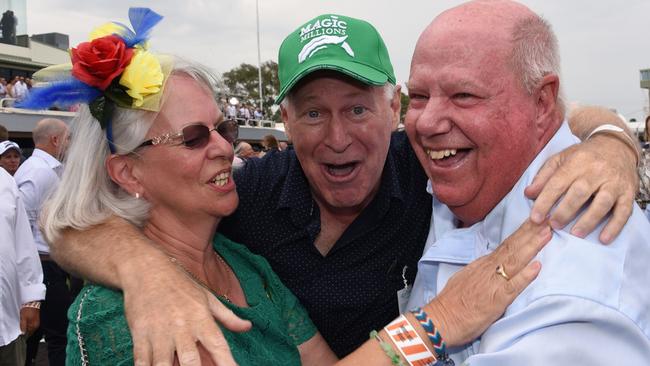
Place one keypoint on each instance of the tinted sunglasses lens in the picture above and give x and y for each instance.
(196, 136)
(229, 130)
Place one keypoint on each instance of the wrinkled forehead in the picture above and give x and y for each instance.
(186, 100)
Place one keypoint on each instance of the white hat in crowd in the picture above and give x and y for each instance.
(7, 145)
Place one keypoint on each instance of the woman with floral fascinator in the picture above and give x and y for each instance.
(143, 148)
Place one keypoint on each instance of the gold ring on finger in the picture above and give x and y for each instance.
(501, 271)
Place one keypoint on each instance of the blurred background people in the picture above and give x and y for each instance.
(21, 288)
(3, 87)
(4, 133)
(36, 178)
(269, 142)
(10, 155)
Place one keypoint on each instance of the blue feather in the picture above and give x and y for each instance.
(60, 94)
(128, 33)
(142, 20)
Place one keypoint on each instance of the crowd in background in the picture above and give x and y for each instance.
(17, 88)
(244, 112)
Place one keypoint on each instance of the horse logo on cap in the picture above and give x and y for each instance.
(320, 43)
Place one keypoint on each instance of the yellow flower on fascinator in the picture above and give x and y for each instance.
(106, 30)
(142, 77)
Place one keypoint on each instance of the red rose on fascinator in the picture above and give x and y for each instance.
(99, 61)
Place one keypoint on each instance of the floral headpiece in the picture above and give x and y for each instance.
(113, 68)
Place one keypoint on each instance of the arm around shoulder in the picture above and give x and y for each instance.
(109, 253)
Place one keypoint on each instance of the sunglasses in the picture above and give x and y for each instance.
(196, 136)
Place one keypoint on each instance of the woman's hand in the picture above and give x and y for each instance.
(476, 296)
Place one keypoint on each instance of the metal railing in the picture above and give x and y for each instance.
(254, 122)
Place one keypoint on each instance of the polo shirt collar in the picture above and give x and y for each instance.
(295, 195)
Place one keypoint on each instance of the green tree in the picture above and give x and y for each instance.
(242, 82)
(405, 106)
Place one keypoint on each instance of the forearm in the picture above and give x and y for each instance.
(584, 120)
(377, 351)
(108, 254)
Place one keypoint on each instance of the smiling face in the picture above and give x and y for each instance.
(183, 182)
(470, 121)
(341, 132)
(10, 160)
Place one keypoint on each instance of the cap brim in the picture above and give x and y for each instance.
(12, 148)
(363, 73)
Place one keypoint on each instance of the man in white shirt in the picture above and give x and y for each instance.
(231, 112)
(486, 111)
(20, 89)
(21, 288)
(37, 177)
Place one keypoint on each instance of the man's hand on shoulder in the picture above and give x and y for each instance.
(167, 313)
(601, 169)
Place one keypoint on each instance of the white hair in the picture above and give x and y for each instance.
(86, 195)
(535, 53)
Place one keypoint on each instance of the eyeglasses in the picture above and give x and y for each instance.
(196, 136)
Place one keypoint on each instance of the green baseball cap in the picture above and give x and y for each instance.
(334, 42)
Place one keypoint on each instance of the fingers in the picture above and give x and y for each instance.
(215, 343)
(622, 212)
(142, 354)
(163, 351)
(226, 317)
(521, 247)
(576, 196)
(599, 207)
(517, 283)
(186, 350)
(542, 177)
(548, 189)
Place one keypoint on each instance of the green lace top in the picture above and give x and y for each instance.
(280, 323)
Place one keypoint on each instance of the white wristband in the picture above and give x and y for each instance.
(609, 128)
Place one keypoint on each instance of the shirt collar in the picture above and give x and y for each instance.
(446, 243)
(296, 192)
(51, 161)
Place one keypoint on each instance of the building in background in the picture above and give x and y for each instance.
(58, 40)
(20, 54)
(645, 84)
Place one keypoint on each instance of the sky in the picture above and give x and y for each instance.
(603, 43)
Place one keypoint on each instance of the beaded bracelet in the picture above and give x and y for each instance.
(439, 345)
(388, 349)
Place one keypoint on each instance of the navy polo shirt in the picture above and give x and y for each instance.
(352, 290)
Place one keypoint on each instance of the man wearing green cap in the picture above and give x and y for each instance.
(350, 210)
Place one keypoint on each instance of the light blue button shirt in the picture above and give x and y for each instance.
(590, 304)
